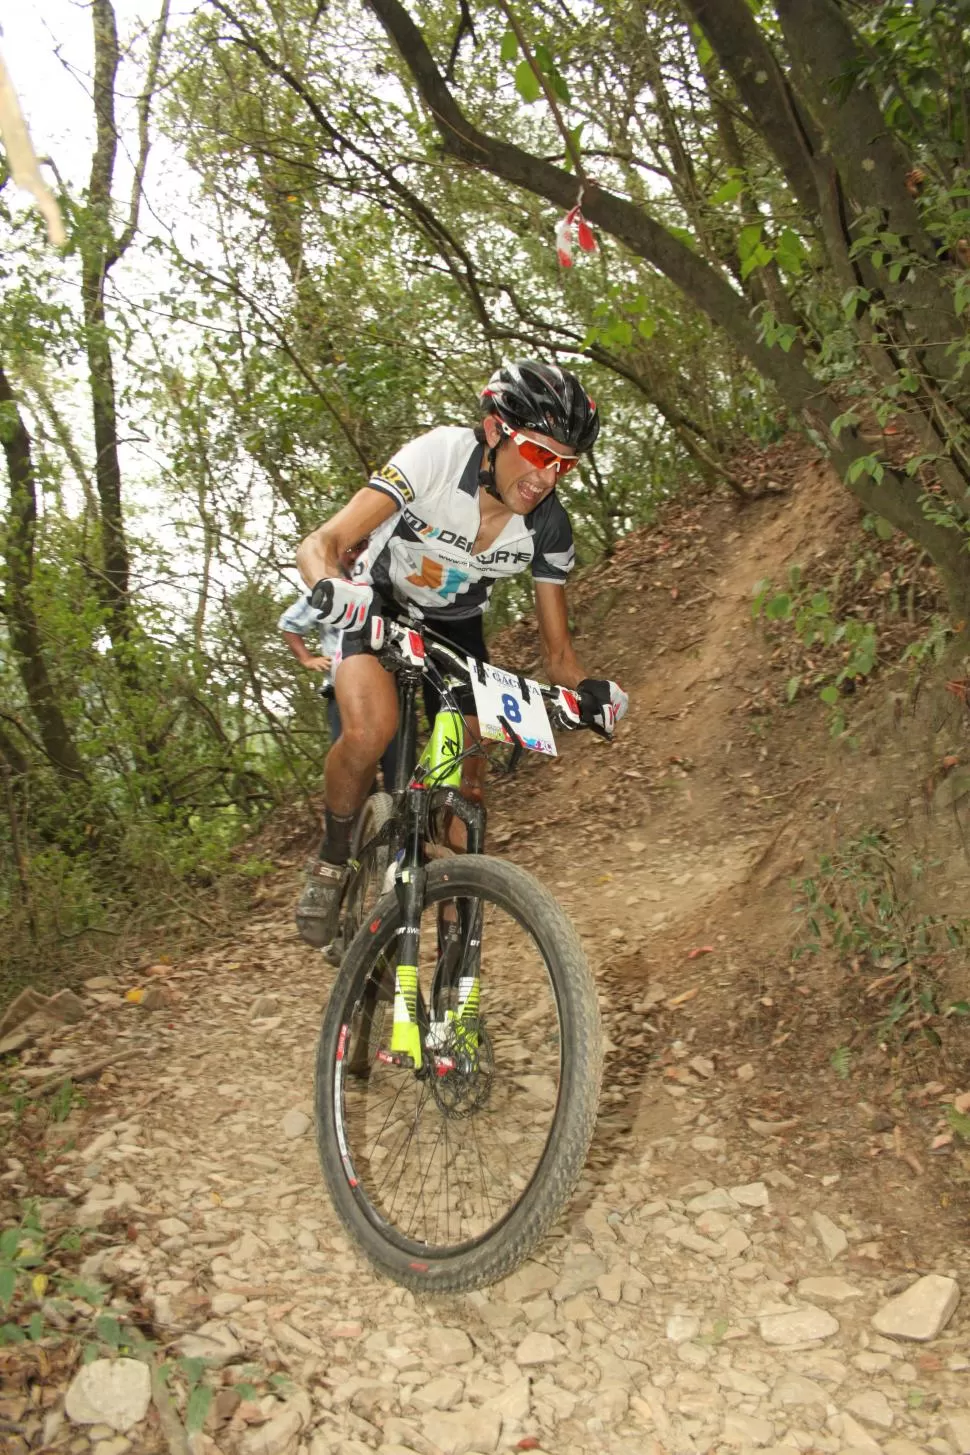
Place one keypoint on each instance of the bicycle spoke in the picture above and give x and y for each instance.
(445, 1153)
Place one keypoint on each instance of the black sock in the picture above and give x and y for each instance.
(335, 848)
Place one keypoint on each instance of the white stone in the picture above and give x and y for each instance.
(213, 1342)
(798, 1326)
(442, 1393)
(527, 1281)
(450, 1346)
(681, 1327)
(751, 1194)
(831, 1237)
(796, 1389)
(745, 1430)
(278, 1436)
(539, 1349)
(958, 1430)
(735, 1242)
(295, 1124)
(873, 1408)
(922, 1311)
(830, 1290)
(173, 1228)
(855, 1437)
(462, 1430)
(115, 1392)
(717, 1200)
(226, 1303)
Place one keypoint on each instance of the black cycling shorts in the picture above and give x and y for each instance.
(466, 635)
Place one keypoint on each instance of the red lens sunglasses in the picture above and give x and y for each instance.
(536, 454)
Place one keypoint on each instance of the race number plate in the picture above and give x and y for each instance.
(499, 695)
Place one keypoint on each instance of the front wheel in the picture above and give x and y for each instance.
(447, 1175)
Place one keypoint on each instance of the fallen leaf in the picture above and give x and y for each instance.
(683, 998)
(701, 950)
(136, 996)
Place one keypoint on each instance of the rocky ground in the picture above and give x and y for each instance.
(752, 1260)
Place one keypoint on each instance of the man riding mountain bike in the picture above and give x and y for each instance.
(451, 513)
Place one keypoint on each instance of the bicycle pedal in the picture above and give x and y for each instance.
(396, 1058)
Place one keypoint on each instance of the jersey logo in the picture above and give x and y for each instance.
(435, 577)
(392, 476)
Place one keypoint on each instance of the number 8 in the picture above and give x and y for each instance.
(511, 708)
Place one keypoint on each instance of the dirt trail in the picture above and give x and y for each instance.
(712, 1285)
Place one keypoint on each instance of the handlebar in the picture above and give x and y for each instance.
(400, 643)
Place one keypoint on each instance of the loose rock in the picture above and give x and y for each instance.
(922, 1312)
(295, 1123)
(832, 1238)
(798, 1326)
(114, 1392)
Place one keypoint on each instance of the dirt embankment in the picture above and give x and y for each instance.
(757, 1138)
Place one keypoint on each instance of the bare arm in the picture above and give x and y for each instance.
(319, 554)
(315, 662)
(559, 658)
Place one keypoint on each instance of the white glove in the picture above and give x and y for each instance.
(343, 604)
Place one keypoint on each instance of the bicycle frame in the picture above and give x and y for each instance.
(421, 788)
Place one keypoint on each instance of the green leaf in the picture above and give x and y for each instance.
(748, 239)
(559, 85)
(198, 1407)
(510, 46)
(959, 1123)
(839, 1061)
(647, 327)
(829, 695)
(619, 333)
(705, 51)
(527, 82)
(791, 688)
(8, 1282)
(779, 607)
(9, 1242)
(543, 59)
(10, 1334)
(109, 1330)
(35, 1329)
(193, 1369)
(790, 251)
(757, 258)
(727, 193)
(883, 529)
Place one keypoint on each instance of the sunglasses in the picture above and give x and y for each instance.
(536, 454)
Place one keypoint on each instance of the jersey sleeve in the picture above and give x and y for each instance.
(409, 473)
(553, 552)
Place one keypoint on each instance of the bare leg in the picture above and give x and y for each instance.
(367, 699)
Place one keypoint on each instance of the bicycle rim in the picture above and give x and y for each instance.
(454, 1169)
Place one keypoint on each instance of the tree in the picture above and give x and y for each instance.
(903, 322)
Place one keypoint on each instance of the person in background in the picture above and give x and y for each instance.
(299, 621)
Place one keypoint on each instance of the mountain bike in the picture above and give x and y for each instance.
(459, 1062)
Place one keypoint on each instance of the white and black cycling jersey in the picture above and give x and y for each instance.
(424, 553)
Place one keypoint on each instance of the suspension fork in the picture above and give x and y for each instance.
(409, 885)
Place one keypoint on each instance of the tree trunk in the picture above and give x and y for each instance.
(25, 634)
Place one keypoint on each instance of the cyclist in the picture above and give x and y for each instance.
(451, 513)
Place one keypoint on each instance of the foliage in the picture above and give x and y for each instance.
(859, 906)
(225, 350)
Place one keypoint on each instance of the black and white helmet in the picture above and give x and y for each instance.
(528, 394)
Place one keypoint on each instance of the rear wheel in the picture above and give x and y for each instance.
(448, 1175)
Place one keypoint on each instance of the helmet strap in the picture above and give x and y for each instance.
(486, 476)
